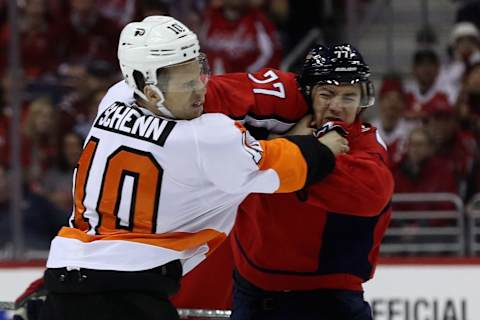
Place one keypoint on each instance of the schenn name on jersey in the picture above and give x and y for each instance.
(130, 121)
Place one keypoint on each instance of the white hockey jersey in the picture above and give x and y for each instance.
(149, 190)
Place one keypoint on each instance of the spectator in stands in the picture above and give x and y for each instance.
(75, 106)
(468, 107)
(392, 126)
(454, 147)
(40, 220)
(6, 96)
(40, 140)
(465, 42)
(419, 170)
(468, 103)
(83, 127)
(120, 11)
(56, 184)
(86, 35)
(427, 83)
(191, 12)
(277, 10)
(38, 41)
(469, 12)
(238, 38)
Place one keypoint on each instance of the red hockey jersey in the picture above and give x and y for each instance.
(244, 45)
(328, 235)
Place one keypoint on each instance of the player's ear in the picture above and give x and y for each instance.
(151, 93)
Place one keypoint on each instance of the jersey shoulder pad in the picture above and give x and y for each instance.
(119, 92)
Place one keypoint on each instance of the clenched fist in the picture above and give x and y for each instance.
(335, 142)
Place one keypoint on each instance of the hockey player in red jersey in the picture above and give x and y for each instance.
(305, 255)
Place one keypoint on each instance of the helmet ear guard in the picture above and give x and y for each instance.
(368, 94)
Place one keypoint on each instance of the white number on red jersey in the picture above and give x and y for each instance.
(270, 76)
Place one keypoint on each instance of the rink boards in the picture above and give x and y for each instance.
(427, 289)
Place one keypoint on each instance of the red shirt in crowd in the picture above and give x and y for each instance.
(38, 49)
(93, 39)
(461, 154)
(427, 179)
(244, 45)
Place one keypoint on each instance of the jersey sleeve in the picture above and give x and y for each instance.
(268, 99)
(237, 163)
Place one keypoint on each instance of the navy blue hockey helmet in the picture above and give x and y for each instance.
(339, 64)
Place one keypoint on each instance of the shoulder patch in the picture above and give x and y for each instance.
(250, 144)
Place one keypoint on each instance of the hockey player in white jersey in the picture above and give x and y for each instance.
(158, 184)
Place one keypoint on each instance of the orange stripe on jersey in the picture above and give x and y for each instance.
(240, 127)
(83, 168)
(178, 241)
(287, 160)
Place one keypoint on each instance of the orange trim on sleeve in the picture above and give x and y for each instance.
(240, 127)
(178, 241)
(287, 160)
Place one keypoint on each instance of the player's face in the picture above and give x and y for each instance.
(184, 90)
(336, 103)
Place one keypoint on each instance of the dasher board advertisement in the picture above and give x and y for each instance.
(429, 292)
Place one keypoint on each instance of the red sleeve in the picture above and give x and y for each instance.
(362, 176)
(269, 98)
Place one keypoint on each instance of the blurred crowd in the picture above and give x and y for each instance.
(430, 118)
(431, 123)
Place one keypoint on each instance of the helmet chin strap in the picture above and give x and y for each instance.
(160, 107)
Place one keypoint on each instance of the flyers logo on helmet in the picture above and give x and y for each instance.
(139, 32)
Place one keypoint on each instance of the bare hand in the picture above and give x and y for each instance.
(335, 142)
(302, 127)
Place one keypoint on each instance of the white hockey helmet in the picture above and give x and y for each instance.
(154, 43)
